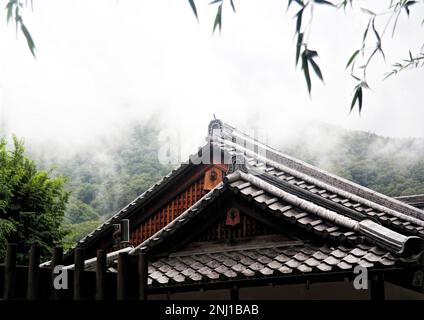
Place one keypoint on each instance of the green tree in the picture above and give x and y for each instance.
(32, 202)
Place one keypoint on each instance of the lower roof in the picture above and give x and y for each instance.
(279, 260)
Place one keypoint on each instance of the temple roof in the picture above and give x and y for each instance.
(330, 207)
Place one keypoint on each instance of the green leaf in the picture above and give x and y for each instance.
(9, 8)
(360, 99)
(193, 7)
(324, 2)
(29, 40)
(232, 6)
(298, 46)
(316, 69)
(218, 19)
(299, 20)
(352, 58)
(407, 5)
(305, 69)
(357, 97)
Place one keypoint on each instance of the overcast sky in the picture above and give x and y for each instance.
(102, 63)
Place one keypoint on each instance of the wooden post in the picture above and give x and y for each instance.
(33, 273)
(122, 287)
(10, 272)
(234, 293)
(143, 274)
(377, 287)
(78, 273)
(57, 260)
(101, 274)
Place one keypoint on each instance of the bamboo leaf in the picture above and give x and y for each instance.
(355, 97)
(299, 20)
(9, 8)
(29, 39)
(218, 19)
(316, 69)
(232, 6)
(305, 68)
(324, 2)
(407, 5)
(193, 7)
(298, 46)
(352, 58)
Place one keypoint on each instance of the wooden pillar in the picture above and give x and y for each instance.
(78, 274)
(143, 273)
(122, 286)
(57, 260)
(234, 293)
(33, 273)
(10, 272)
(101, 274)
(377, 287)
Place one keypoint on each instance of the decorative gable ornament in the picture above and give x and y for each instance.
(233, 217)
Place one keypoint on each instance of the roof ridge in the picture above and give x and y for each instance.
(233, 137)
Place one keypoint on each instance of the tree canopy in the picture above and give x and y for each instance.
(32, 202)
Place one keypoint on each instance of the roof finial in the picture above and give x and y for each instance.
(214, 116)
(215, 127)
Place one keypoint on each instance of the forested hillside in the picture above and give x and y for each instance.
(105, 178)
(391, 166)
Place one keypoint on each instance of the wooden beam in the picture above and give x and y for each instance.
(122, 285)
(101, 274)
(143, 275)
(78, 274)
(33, 273)
(10, 272)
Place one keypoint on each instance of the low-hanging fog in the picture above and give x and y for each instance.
(102, 65)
